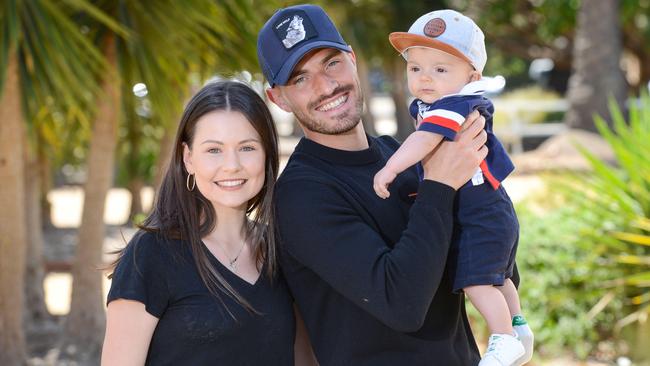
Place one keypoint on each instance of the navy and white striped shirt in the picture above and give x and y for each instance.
(445, 117)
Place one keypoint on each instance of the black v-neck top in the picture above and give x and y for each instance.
(194, 327)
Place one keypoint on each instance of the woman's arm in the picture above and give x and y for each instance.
(303, 353)
(129, 328)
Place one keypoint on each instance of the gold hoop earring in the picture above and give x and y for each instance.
(187, 182)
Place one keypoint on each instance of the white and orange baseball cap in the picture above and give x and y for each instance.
(446, 30)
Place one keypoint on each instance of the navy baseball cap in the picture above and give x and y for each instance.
(289, 35)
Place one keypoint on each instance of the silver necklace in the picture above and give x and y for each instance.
(232, 263)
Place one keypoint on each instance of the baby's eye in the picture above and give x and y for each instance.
(441, 69)
(414, 69)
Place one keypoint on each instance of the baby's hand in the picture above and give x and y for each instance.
(383, 178)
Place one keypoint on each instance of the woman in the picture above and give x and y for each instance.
(197, 285)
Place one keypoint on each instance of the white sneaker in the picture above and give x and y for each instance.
(527, 339)
(502, 350)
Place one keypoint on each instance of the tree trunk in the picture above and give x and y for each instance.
(134, 171)
(399, 93)
(45, 167)
(135, 188)
(84, 327)
(12, 218)
(364, 77)
(169, 136)
(164, 154)
(645, 71)
(36, 310)
(597, 75)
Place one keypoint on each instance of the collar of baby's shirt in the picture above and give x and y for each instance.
(481, 86)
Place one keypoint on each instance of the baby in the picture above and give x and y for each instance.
(445, 55)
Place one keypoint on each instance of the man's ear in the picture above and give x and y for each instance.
(275, 95)
(353, 56)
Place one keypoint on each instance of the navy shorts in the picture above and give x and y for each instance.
(486, 233)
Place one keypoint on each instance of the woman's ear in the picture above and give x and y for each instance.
(187, 158)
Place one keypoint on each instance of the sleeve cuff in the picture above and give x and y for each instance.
(448, 133)
(436, 193)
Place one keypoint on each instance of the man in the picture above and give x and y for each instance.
(368, 275)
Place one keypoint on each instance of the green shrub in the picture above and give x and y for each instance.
(561, 283)
(618, 199)
(585, 259)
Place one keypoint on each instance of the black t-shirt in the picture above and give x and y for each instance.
(194, 327)
(369, 275)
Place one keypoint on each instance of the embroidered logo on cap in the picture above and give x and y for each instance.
(295, 32)
(293, 29)
(435, 27)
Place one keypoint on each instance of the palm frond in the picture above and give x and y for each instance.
(632, 238)
(615, 202)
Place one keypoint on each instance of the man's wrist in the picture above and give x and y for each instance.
(436, 193)
(445, 180)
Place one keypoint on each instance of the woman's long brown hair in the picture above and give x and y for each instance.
(187, 215)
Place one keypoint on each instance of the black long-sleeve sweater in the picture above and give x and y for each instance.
(368, 274)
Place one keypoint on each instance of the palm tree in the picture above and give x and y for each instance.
(36, 312)
(12, 222)
(42, 54)
(86, 319)
(596, 73)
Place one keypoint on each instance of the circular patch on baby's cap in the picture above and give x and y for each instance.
(435, 27)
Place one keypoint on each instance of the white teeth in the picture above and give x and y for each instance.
(231, 183)
(333, 104)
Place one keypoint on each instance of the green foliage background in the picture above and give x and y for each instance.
(584, 252)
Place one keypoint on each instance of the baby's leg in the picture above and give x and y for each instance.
(519, 323)
(492, 305)
(504, 348)
(511, 295)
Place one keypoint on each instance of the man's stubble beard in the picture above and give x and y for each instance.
(345, 122)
